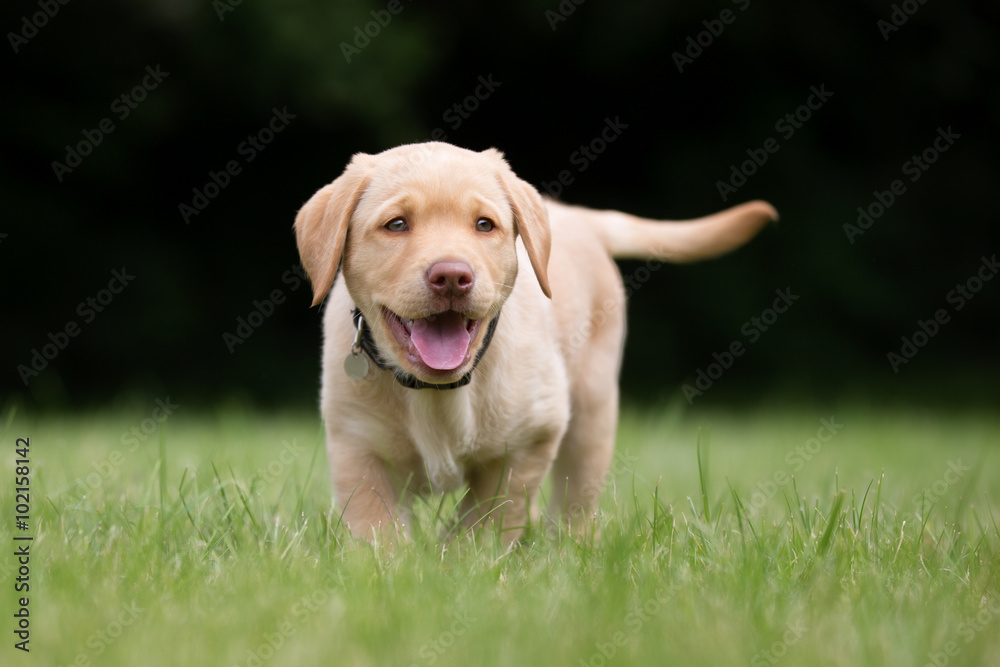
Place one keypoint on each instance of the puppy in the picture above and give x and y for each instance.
(446, 363)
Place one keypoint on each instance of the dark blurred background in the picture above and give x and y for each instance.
(698, 85)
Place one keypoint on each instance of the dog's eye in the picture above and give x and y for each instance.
(397, 225)
(484, 225)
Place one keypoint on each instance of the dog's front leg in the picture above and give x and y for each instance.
(502, 490)
(367, 497)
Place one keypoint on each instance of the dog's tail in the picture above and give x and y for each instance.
(630, 237)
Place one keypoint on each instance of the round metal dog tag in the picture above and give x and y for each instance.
(356, 366)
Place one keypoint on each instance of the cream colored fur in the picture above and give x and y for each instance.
(544, 396)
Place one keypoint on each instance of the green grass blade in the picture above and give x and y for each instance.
(702, 453)
(832, 521)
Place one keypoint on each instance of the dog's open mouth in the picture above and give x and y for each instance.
(441, 342)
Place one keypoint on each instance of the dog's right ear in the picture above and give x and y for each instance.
(531, 220)
(321, 225)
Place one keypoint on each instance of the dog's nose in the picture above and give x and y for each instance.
(450, 278)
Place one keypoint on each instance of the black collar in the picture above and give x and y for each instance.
(406, 379)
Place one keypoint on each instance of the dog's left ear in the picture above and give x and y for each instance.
(531, 220)
(321, 225)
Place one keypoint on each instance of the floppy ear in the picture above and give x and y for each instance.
(531, 221)
(321, 225)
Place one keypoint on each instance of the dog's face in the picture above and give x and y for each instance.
(425, 236)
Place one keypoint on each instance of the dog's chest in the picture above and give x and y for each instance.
(451, 434)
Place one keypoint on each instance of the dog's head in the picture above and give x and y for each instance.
(424, 236)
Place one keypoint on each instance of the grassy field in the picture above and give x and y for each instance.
(798, 537)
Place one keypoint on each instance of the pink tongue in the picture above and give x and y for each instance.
(443, 343)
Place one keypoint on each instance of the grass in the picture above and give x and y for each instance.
(753, 538)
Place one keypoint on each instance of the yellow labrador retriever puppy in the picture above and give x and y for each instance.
(445, 363)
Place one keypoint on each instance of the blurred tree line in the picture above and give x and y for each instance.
(155, 153)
